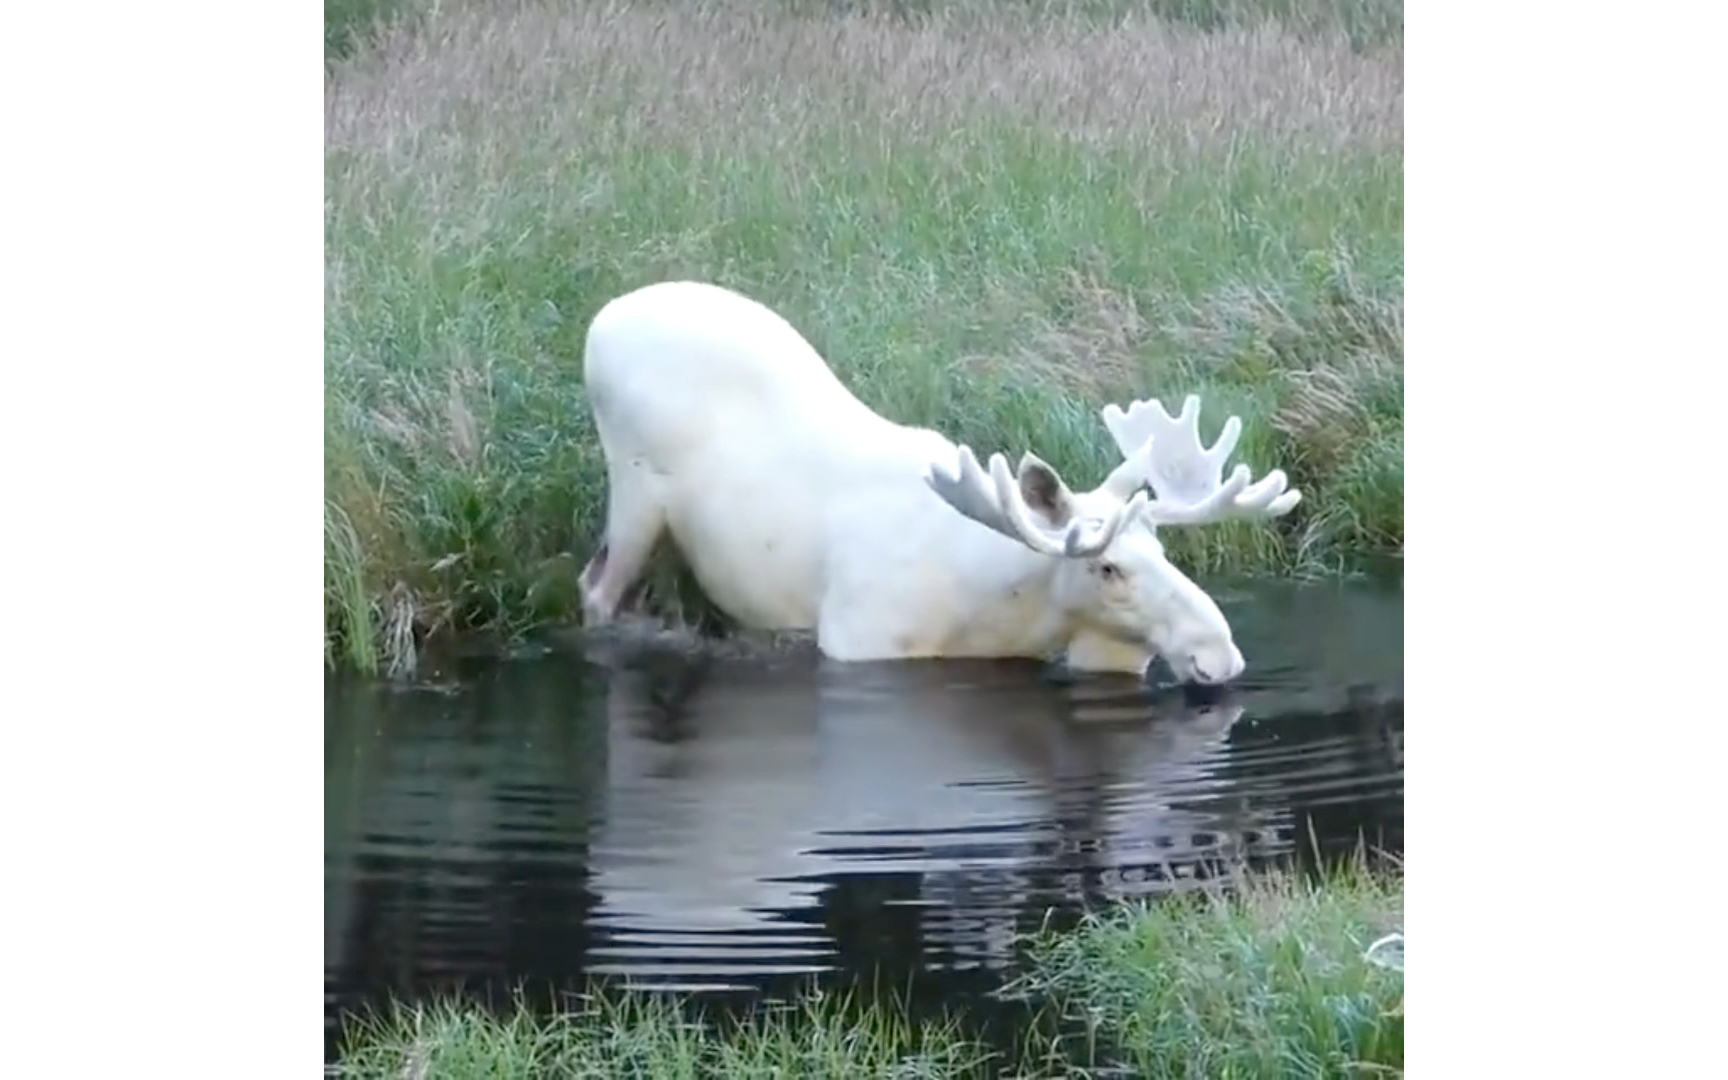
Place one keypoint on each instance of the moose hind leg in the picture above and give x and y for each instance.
(634, 522)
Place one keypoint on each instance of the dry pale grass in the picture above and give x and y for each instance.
(448, 101)
(1091, 351)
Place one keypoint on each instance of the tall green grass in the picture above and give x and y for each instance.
(990, 218)
(1266, 980)
(654, 1038)
(349, 25)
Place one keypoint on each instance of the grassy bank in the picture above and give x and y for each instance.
(1268, 981)
(991, 218)
(655, 1038)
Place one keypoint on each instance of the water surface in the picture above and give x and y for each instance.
(711, 824)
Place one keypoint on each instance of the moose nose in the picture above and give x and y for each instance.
(1223, 670)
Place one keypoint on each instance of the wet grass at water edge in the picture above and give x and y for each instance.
(991, 218)
(1267, 979)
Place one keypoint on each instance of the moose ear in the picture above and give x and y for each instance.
(1045, 493)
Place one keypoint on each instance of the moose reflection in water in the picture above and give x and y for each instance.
(982, 778)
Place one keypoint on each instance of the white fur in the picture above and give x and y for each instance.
(798, 508)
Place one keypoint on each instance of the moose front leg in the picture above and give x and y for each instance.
(635, 520)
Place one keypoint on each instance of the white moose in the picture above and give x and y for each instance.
(797, 508)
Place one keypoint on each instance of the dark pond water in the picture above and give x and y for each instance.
(731, 824)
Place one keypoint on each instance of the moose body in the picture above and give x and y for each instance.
(797, 507)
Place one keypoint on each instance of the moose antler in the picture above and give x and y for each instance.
(997, 503)
(1164, 452)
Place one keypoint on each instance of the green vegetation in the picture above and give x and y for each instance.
(650, 1036)
(350, 24)
(991, 218)
(1266, 981)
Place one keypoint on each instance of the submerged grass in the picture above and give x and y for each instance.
(1267, 979)
(991, 218)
